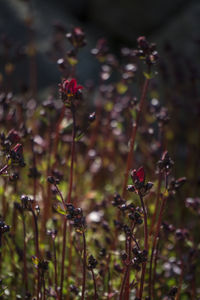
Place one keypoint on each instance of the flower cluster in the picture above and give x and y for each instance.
(133, 212)
(27, 202)
(139, 257)
(40, 264)
(16, 155)
(176, 184)
(92, 262)
(8, 141)
(165, 163)
(13, 151)
(76, 215)
(139, 186)
(147, 50)
(77, 37)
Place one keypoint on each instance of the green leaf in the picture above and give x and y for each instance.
(148, 75)
(79, 137)
(59, 210)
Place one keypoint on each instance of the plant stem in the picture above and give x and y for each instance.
(57, 132)
(145, 247)
(3, 169)
(164, 199)
(84, 267)
(55, 268)
(72, 156)
(133, 135)
(24, 254)
(124, 281)
(95, 285)
(126, 294)
(63, 256)
(68, 199)
(43, 280)
(36, 250)
(180, 282)
(157, 202)
(154, 268)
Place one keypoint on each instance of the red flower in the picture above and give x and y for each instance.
(139, 186)
(138, 175)
(70, 88)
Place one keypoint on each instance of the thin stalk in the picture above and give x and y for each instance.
(126, 293)
(124, 281)
(4, 203)
(154, 269)
(157, 203)
(180, 282)
(57, 132)
(36, 250)
(95, 285)
(84, 267)
(68, 199)
(145, 247)
(72, 156)
(43, 280)
(164, 199)
(69, 259)
(133, 135)
(55, 268)
(3, 169)
(24, 254)
(63, 256)
(0, 251)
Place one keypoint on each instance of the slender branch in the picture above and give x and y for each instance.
(157, 203)
(95, 285)
(133, 135)
(36, 250)
(164, 199)
(57, 131)
(55, 267)
(154, 267)
(63, 257)
(72, 155)
(3, 169)
(145, 247)
(84, 267)
(124, 281)
(68, 199)
(180, 281)
(126, 294)
(24, 254)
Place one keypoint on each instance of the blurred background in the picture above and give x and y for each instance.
(176, 22)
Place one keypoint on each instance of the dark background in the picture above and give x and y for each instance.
(120, 21)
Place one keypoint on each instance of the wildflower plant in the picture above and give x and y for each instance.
(93, 203)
